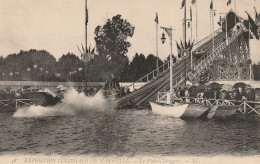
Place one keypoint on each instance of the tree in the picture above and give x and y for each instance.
(15, 66)
(137, 67)
(151, 62)
(112, 45)
(69, 67)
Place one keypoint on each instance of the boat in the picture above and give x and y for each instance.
(211, 111)
(195, 110)
(222, 111)
(42, 98)
(169, 108)
(174, 110)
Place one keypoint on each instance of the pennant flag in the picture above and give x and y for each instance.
(254, 27)
(190, 14)
(191, 46)
(93, 51)
(211, 5)
(86, 16)
(183, 3)
(182, 44)
(178, 49)
(256, 15)
(186, 45)
(193, 2)
(156, 18)
(189, 43)
(228, 2)
(169, 32)
(83, 48)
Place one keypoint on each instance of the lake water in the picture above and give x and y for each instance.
(127, 132)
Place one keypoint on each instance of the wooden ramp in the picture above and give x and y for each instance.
(160, 82)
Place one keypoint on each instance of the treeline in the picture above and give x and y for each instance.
(40, 65)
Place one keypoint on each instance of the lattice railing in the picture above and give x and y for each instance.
(162, 96)
(207, 59)
(163, 68)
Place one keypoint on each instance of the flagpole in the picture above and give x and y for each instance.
(235, 3)
(213, 39)
(191, 63)
(191, 50)
(185, 36)
(210, 22)
(86, 24)
(196, 23)
(249, 31)
(86, 41)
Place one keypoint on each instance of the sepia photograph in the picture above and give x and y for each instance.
(129, 81)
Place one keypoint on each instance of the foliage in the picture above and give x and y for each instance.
(111, 44)
(139, 67)
(70, 67)
(28, 65)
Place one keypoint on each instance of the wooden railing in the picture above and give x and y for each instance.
(15, 103)
(206, 59)
(246, 107)
(156, 72)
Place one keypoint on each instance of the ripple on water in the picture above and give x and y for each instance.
(128, 132)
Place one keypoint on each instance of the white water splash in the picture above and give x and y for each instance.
(73, 103)
(47, 90)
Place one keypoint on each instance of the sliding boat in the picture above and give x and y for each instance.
(42, 98)
(174, 110)
(195, 110)
(222, 111)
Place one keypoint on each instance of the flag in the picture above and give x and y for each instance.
(191, 46)
(169, 32)
(256, 15)
(86, 16)
(183, 3)
(178, 49)
(93, 51)
(254, 27)
(156, 18)
(182, 45)
(193, 2)
(190, 14)
(229, 2)
(211, 5)
(189, 43)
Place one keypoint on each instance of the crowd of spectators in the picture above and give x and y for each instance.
(246, 93)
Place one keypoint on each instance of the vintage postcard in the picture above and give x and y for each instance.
(129, 81)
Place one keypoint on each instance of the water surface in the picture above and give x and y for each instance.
(127, 132)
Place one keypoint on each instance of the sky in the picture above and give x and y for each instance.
(57, 26)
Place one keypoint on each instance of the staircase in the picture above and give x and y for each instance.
(159, 82)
